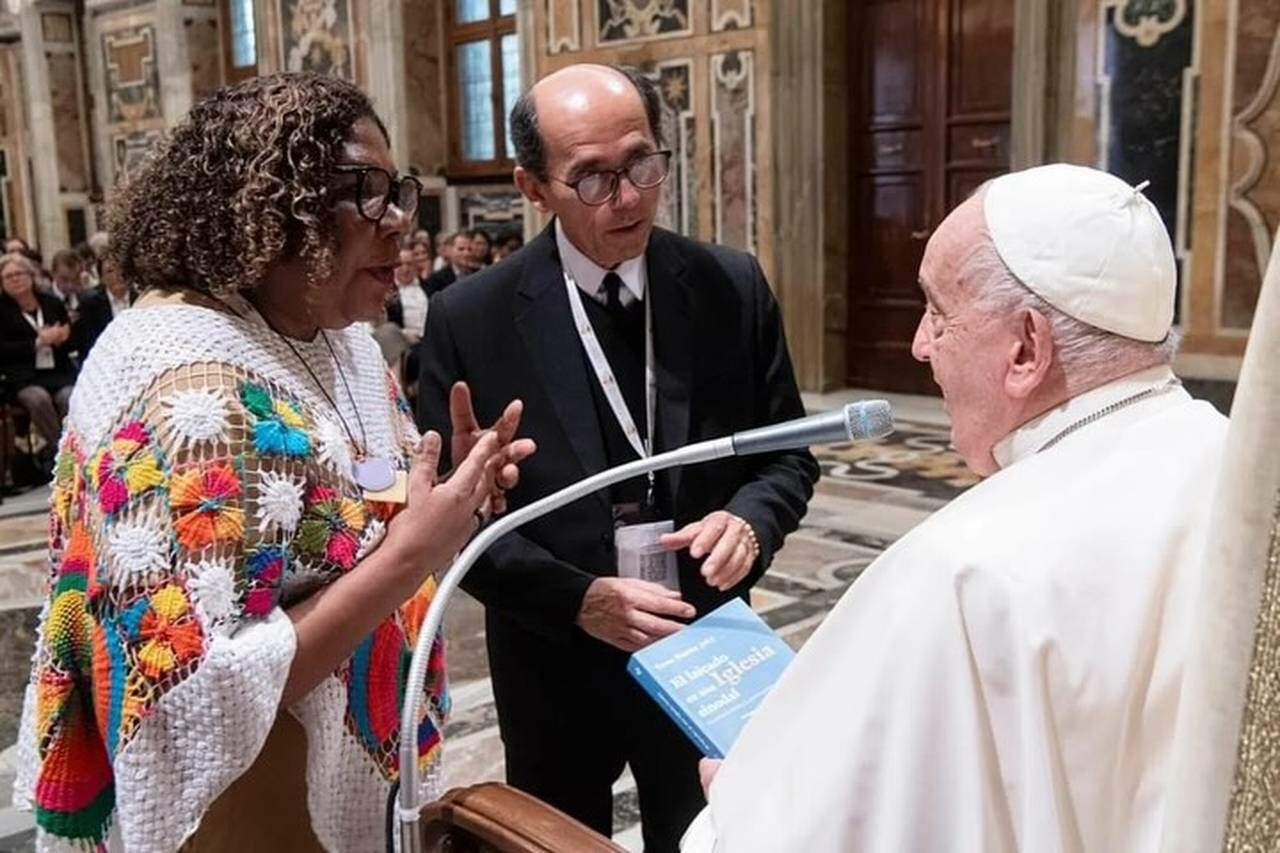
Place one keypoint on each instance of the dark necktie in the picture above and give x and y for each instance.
(612, 286)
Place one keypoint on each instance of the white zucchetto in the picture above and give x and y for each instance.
(1088, 244)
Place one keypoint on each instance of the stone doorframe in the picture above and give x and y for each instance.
(810, 141)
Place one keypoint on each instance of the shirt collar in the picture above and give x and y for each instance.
(589, 275)
(1027, 439)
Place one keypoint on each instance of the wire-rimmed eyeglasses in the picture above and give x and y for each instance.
(644, 173)
(376, 188)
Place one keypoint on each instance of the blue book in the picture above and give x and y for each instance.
(712, 675)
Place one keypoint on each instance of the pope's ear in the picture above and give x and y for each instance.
(533, 189)
(1030, 355)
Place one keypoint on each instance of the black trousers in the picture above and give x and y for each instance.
(571, 719)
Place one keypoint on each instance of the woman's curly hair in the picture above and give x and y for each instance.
(240, 184)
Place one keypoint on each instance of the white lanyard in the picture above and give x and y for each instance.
(38, 322)
(604, 373)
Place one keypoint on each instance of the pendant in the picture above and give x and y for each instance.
(374, 475)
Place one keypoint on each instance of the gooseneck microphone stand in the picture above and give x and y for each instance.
(870, 419)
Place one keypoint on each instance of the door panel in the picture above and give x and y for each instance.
(894, 210)
(892, 73)
(932, 83)
(981, 49)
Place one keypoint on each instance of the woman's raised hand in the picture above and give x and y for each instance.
(466, 431)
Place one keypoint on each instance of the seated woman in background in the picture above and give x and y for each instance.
(245, 526)
(35, 348)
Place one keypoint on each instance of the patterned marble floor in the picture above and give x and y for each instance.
(869, 495)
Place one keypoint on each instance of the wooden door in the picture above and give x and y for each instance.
(930, 122)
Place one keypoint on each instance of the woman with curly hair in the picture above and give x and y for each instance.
(245, 524)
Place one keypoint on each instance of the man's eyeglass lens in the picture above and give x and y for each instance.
(645, 173)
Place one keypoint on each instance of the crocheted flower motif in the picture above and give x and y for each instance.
(68, 479)
(331, 527)
(279, 502)
(373, 533)
(212, 587)
(163, 630)
(137, 554)
(334, 450)
(265, 570)
(278, 425)
(198, 415)
(204, 499)
(125, 468)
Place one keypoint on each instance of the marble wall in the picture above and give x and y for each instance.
(1235, 208)
(132, 107)
(1253, 184)
(15, 205)
(424, 88)
(1146, 109)
(710, 62)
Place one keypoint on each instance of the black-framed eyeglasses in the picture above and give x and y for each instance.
(376, 188)
(644, 173)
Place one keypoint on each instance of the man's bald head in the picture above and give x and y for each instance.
(574, 94)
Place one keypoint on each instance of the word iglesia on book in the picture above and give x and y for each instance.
(711, 676)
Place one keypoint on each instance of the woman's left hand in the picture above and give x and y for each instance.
(466, 431)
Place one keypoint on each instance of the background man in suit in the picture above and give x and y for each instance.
(462, 262)
(99, 306)
(560, 622)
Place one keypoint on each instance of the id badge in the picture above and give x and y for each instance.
(641, 555)
(44, 358)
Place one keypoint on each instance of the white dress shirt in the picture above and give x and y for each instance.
(589, 275)
(413, 301)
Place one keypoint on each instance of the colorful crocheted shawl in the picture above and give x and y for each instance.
(170, 540)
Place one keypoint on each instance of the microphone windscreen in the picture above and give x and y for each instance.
(868, 419)
(855, 422)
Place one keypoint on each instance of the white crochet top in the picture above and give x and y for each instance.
(204, 483)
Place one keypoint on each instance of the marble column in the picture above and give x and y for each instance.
(810, 152)
(61, 176)
(385, 34)
(526, 20)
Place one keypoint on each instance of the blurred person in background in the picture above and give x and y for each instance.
(481, 248)
(444, 250)
(507, 245)
(36, 343)
(67, 284)
(424, 255)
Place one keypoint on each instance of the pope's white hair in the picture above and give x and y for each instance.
(1086, 353)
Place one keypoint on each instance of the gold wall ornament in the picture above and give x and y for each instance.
(1146, 21)
(1253, 816)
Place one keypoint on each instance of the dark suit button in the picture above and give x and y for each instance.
(606, 539)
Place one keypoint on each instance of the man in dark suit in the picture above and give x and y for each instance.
(461, 263)
(560, 620)
(98, 307)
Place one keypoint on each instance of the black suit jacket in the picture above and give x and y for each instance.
(94, 317)
(18, 339)
(439, 280)
(722, 365)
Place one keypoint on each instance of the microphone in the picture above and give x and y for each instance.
(854, 422)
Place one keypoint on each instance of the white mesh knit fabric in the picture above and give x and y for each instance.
(203, 483)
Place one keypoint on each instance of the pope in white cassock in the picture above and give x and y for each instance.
(1006, 676)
